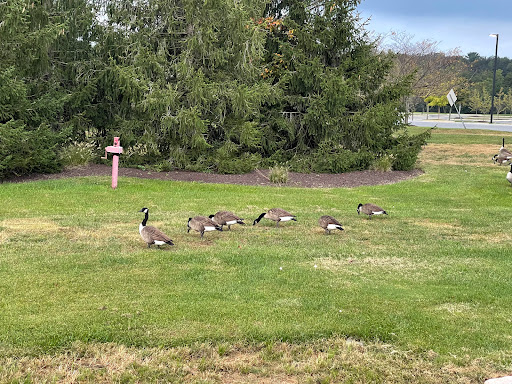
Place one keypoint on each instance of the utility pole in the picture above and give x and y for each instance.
(494, 75)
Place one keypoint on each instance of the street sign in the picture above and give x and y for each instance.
(451, 97)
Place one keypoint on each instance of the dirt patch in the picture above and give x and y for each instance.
(258, 177)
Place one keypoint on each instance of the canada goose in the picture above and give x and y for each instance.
(370, 210)
(509, 175)
(202, 224)
(503, 156)
(276, 214)
(152, 235)
(329, 223)
(226, 218)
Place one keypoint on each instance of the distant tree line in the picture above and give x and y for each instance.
(213, 86)
(435, 72)
(476, 96)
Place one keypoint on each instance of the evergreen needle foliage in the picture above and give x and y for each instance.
(211, 87)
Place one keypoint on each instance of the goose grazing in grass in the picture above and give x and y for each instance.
(509, 175)
(503, 156)
(226, 218)
(277, 215)
(370, 210)
(202, 224)
(329, 223)
(152, 235)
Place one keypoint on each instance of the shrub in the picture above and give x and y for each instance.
(141, 154)
(405, 153)
(279, 174)
(204, 164)
(78, 154)
(329, 158)
(242, 164)
(163, 166)
(383, 163)
(24, 151)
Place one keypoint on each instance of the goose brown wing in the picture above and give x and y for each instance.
(505, 152)
(279, 212)
(155, 234)
(372, 208)
(331, 220)
(206, 221)
(229, 216)
(221, 217)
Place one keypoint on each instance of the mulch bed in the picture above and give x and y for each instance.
(258, 177)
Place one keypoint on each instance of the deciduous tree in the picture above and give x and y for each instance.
(434, 72)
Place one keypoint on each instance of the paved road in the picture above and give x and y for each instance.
(420, 120)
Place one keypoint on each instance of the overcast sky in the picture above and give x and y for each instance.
(463, 24)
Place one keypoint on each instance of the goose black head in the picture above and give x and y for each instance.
(211, 216)
(359, 208)
(145, 210)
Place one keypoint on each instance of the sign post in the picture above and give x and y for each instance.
(116, 150)
(452, 98)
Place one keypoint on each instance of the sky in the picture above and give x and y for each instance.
(462, 24)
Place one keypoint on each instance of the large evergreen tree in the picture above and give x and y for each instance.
(183, 79)
(42, 49)
(338, 105)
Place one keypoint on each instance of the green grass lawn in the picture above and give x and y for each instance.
(435, 276)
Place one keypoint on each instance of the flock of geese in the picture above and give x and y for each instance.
(504, 156)
(202, 224)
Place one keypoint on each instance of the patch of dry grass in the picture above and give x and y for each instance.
(27, 227)
(411, 267)
(335, 360)
(470, 132)
(495, 238)
(456, 307)
(457, 231)
(476, 155)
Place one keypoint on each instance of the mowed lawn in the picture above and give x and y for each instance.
(430, 284)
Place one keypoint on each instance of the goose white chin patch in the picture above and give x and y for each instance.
(286, 218)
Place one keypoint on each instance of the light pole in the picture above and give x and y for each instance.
(494, 75)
